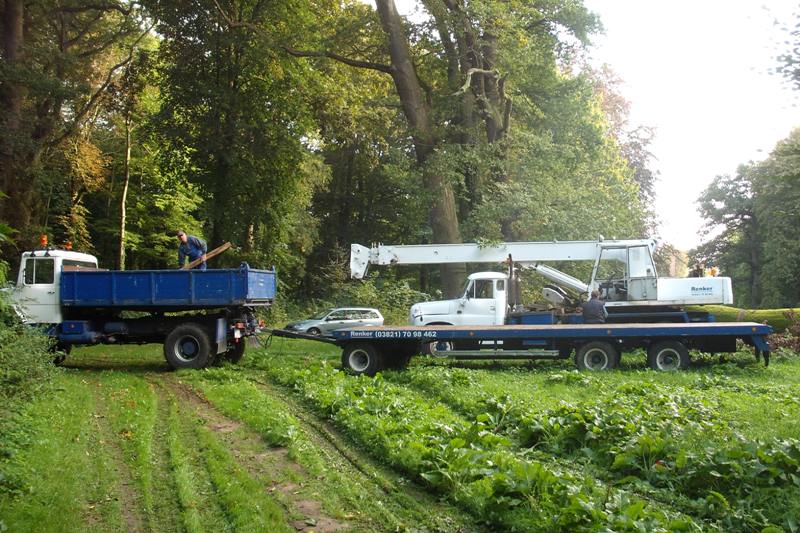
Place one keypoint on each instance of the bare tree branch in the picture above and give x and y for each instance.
(468, 81)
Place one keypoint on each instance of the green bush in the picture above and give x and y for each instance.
(25, 363)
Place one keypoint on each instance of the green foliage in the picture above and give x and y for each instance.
(467, 460)
(757, 212)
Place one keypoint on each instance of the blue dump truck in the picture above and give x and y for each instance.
(198, 315)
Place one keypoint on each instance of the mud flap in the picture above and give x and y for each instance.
(222, 335)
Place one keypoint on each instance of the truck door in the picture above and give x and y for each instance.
(37, 294)
(479, 307)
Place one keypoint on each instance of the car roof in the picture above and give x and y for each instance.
(354, 309)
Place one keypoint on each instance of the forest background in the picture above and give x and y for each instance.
(293, 129)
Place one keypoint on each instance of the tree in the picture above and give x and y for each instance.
(777, 207)
(728, 205)
(451, 76)
(234, 117)
(58, 57)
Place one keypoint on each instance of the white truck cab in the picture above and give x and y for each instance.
(483, 302)
(36, 295)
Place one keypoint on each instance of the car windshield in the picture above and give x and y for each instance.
(320, 315)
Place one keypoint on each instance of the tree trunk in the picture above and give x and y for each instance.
(16, 209)
(124, 201)
(443, 215)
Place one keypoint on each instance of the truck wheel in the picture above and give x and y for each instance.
(188, 346)
(596, 355)
(440, 346)
(668, 356)
(236, 352)
(361, 358)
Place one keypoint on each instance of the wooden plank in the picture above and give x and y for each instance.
(215, 252)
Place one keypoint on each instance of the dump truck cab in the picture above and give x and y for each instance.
(36, 294)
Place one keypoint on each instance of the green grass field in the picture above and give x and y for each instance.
(285, 441)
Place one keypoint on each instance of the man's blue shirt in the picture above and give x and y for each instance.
(193, 248)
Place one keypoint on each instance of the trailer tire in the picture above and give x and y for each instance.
(427, 348)
(188, 346)
(668, 356)
(235, 352)
(596, 355)
(362, 358)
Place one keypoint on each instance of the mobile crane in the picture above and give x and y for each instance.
(623, 272)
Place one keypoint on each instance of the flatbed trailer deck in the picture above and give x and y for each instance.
(596, 346)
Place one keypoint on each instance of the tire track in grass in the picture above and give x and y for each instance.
(339, 450)
(129, 498)
(220, 433)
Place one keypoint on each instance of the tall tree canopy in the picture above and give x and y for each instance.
(295, 128)
(754, 218)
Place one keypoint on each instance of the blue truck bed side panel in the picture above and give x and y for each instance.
(188, 289)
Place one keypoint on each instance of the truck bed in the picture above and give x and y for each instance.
(168, 290)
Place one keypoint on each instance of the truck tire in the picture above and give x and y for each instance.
(188, 346)
(427, 348)
(597, 355)
(235, 352)
(668, 356)
(362, 358)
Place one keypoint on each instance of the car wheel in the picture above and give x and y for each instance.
(668, 356)
(314, 331)
(596, 355)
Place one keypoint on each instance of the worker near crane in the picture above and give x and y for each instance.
(192, 247)
(594, 311)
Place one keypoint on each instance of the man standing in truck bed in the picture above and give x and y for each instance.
(594, 311)
(192, 247)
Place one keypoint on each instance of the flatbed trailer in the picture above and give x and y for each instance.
(596, 346)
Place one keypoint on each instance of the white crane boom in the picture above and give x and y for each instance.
(523, 252)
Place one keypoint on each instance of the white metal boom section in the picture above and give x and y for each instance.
(522, 252)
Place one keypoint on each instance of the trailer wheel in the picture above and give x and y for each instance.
(668, 356)
(362, 358)
(597, 355)
(235, 352)
(428, 348)
(188, 346)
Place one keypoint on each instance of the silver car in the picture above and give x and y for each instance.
(340, 318)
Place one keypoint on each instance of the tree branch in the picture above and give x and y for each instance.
(468, 80)
(97, 7)
(99, 92)
(341, 59)
(305, 53)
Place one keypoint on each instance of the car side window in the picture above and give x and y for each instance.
(372, 314)
(338, 315)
